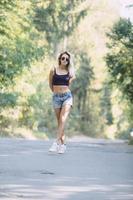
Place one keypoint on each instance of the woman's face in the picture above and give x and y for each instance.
(64, 59)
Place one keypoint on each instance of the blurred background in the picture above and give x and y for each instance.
(98, 34)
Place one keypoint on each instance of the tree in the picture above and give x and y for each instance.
(120, 67)
(83, 80)
(18, 48)
(81, 90)
(120, 57)
(106, 106)
(58, 19)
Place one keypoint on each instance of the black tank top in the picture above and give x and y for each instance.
(60, 79)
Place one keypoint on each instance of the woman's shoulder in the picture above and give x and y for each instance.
(52, 69)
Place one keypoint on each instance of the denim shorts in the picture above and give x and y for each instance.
(61, 99)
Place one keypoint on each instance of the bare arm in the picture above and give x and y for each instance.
(50, 79)
(71, 79)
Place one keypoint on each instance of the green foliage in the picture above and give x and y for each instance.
(22, 42)
(120, 57)
(84, 74)
(119, 61)
(6, 7)
(30, 31)
(14, 57)
(58, 19)
(125, 134)
(18, 48)
(8, 4)
(106, 105)
(40, 102)
(80, 88)
(8, 99)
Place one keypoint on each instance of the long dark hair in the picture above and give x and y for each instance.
(60, 56)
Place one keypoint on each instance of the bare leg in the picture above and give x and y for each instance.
(62, 120)
(57, 113)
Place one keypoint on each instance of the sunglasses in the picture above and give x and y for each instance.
(64, 58)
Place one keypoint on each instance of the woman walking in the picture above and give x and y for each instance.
(60, 78)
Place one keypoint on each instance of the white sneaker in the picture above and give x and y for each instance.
(62, 148)
(54, 147)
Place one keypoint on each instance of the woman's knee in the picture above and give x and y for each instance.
(62, 119)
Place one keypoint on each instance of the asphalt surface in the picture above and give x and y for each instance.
(97, 170)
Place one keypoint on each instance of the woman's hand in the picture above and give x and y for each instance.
(71, 79)
(51, 79)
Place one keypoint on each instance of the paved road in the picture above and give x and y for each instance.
(88, 171)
